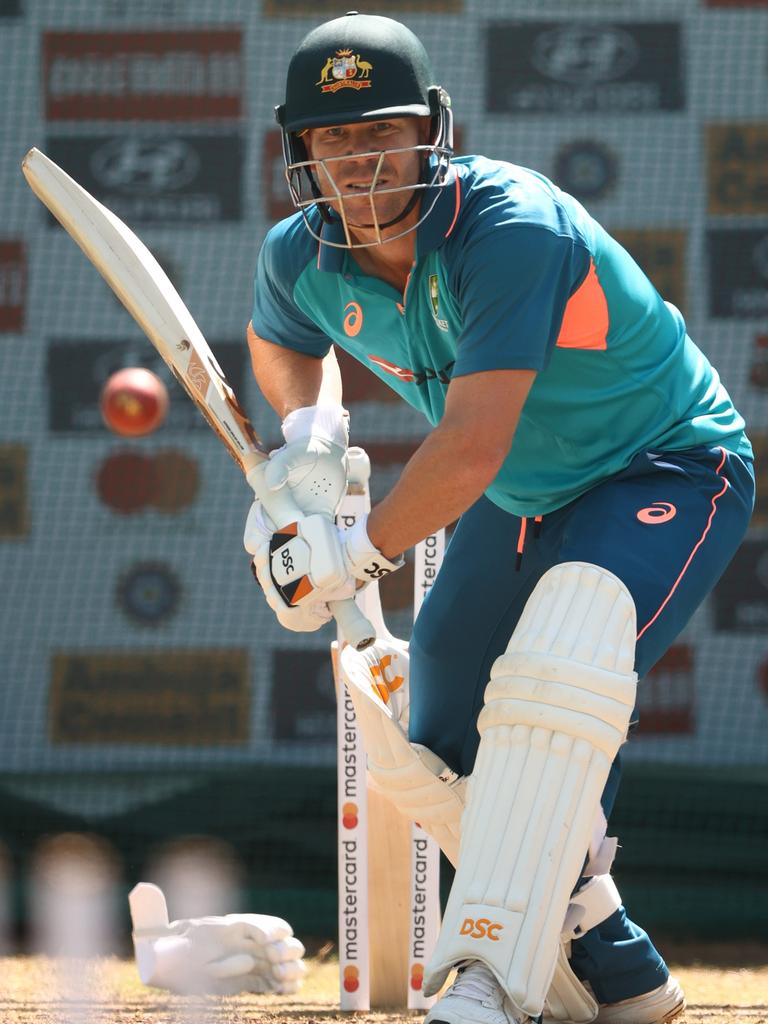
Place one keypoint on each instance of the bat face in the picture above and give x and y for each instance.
(201, 378)
(141, 284)
(145, 290)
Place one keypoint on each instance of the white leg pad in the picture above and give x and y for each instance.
(556, 712)
(411, 776)
(567, 999)
(424, 790)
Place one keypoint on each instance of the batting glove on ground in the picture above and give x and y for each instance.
(213, 955)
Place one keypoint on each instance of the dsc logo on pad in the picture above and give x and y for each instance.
(482, 928)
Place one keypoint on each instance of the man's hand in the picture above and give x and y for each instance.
(313, 461)
(362, 558)
(300, 568)
(217, 955)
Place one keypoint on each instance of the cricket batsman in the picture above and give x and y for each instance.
(598, 470)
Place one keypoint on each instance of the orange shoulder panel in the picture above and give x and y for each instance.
(585, 321)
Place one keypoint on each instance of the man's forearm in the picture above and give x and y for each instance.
(439, 483)
(456, 462)
(291, 380)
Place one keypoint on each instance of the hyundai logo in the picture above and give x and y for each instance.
(146, 166)
(584, 54)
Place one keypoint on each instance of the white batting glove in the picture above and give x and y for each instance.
(363, 560)
(313, 461)
(300, 568)
(216, 955)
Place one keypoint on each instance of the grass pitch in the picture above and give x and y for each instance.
(724, 985)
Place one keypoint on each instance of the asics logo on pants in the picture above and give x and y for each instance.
(657, 512)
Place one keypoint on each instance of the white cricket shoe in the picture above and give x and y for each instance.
(655, 1007)
(475, 997)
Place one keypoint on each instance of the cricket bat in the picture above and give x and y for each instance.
(143, 287)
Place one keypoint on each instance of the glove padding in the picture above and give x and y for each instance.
(213, 955)
(300, 568)
(313, 462)
(363, 560)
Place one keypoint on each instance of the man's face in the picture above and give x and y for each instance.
(361, 178)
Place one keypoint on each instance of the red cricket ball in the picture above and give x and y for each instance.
(134, 401)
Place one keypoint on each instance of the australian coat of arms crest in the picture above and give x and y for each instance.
(345, 70)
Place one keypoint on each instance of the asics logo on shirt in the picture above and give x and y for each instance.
(658, 512)
(414, 376)
(353, 319)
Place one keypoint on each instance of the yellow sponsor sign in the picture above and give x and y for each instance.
(737, 168)
(661, 254)
(169, 698)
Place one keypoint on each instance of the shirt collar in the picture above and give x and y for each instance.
(430, 234)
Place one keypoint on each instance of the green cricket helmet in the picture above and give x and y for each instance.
(353, 69)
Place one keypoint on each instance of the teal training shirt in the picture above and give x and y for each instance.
(510, 273)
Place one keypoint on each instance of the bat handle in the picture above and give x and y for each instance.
(354, 625)
(282, 509)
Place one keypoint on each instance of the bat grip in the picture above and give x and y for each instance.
(354, 625)
(282, 509)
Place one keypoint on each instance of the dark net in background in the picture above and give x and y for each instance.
(145, 691)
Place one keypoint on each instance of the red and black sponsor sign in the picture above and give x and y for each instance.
(762, 677)
(741, 596)
(167, 177)
(77, 371)
(666, 697)
(737, 168)
(13, 285)
(575, 66)
(274, 184)
(737, 260)
(180, 75)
